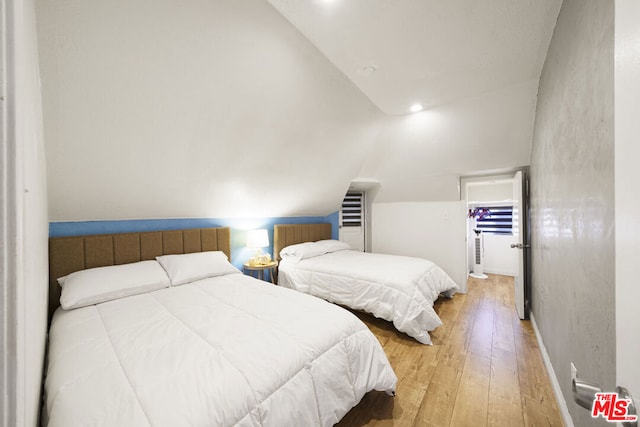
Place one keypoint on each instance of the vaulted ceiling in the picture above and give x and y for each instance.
(431, 52)
(472, 65)
(252, 108)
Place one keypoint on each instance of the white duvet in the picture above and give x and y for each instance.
(395, 288)
(224, 351)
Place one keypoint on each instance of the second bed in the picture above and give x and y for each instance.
(395, 288)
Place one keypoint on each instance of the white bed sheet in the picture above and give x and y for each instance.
(395, 288)
(223, 351)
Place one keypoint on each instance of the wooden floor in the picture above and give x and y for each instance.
(484, 368)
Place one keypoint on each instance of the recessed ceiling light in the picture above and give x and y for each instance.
(416, 107)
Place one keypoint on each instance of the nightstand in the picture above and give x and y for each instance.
(257, 271)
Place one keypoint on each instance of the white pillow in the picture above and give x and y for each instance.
(296, 253)
(334, 245)
(196, 266)
(100, 284)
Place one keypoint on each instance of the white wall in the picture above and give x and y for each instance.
(23, 214)
(627, 204)
(223, 109)
(420, 157)
(431, 230)
(490, 191)
(206, 109)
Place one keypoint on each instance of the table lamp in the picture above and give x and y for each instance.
(258, 239)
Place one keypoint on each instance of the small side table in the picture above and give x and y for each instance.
(257, 271)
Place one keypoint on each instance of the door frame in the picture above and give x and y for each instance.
(627, 228)
(11, 375)
(526, 242)
(503, 175)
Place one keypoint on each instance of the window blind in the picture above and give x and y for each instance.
(500, 221)
(352, 209)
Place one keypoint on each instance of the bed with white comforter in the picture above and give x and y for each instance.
(223, 351)
(395, 288)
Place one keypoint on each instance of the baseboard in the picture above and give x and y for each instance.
(562, 403)
(500, 272)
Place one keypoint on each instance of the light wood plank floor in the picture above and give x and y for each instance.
(484, 368)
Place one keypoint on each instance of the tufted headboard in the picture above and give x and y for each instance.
(291, 234)
(69, 254)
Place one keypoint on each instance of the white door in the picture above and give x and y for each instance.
(627, 203)
(520, 243)
(351, 222)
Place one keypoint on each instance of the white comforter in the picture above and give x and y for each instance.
(395, 288)
(223, 351)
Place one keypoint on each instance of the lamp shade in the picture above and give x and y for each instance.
(257, 238)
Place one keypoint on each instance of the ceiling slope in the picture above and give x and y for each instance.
(473, 65)
(224, 109)
(420, 157)
(155, 109)
(431, 52)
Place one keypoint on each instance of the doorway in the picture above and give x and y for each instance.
(493, 195)
(498, 238)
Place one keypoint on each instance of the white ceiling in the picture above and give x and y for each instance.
(432, 52)
(230, 108)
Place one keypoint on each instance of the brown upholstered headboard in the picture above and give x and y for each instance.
(69, 254)
(291, 234)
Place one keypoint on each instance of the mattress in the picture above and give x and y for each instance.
(223, 351)
(395, 288)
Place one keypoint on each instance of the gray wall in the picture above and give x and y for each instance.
(572, 171)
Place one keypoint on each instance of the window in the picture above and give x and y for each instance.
(352, 209)
(499, 221)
